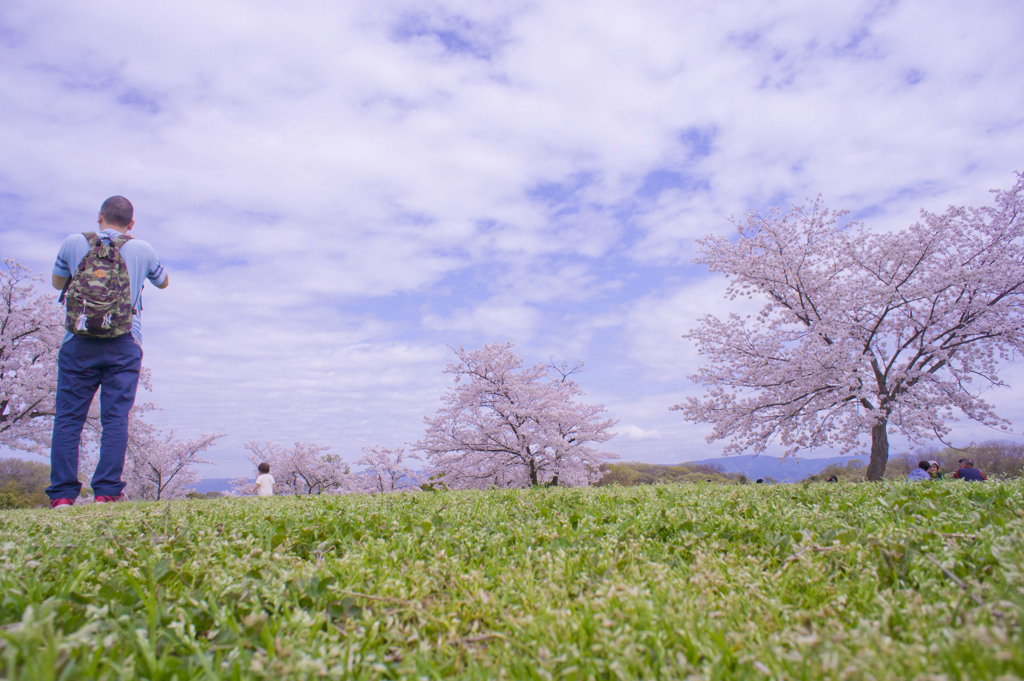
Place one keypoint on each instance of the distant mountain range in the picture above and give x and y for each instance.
(750, 465)
(790, 469)
(214, 485)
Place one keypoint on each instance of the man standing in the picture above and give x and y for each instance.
(967, 471)
(98, 354)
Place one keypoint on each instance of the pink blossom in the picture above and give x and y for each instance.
(860, 331)
(504, 425)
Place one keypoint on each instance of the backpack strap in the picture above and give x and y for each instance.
(94, 240)
(117, 242)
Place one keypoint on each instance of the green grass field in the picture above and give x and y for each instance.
(885, 581)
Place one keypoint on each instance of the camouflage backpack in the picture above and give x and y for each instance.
(99, 293)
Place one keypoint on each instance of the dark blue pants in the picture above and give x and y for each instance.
(83, 366)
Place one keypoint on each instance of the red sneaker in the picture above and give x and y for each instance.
(62, 503)
(104, 499)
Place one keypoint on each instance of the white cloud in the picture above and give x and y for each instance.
(632, 432)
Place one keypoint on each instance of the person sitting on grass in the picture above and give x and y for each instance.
(265, 486)
(967, 471)
(920, 473)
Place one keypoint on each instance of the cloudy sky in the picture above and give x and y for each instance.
(342, 190)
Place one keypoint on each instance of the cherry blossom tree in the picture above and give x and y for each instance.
(504, 425)
(161, 466)
(305, 468)
(861, 331)
(385, 471)
(157, 465)
(31, 329)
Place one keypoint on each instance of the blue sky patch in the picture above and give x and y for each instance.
(913, 76)
(560, 193)
(136, 99)
(700, 140)
(664, 179)
(456, 35)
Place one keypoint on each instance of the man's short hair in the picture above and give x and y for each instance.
(117, 210)
(264, 467)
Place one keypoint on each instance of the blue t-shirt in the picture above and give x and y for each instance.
(139, 257)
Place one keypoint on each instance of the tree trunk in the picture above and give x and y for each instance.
(879, 450)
